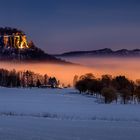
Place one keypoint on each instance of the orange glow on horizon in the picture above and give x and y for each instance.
(98, 66)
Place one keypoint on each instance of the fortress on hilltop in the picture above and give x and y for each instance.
(12, 38)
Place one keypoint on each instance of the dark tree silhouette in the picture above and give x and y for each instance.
(24, 79)
(137, 92)
(38, 83)
(109, 94)
(110, 88)
(52, 82)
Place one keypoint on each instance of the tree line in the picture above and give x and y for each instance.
(109, 88)
(13, 78)
(10, 31)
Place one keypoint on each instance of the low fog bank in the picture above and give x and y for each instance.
(62, 72)
(98, 66)
(128, 66)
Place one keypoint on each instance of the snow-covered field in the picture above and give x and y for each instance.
(62, 114)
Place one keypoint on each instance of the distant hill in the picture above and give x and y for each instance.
(14, 46)
(103, 52)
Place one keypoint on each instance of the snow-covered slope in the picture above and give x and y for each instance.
(62, 104)
(63, 114)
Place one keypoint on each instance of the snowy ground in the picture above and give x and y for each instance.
(58, 114)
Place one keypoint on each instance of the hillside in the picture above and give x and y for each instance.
(103, 52)
(15, 46)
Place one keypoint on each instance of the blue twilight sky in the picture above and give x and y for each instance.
(65, 25)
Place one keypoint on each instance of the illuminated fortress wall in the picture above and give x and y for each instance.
(13, 41)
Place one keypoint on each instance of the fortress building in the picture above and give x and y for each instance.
(15, 40)
(12, 38)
